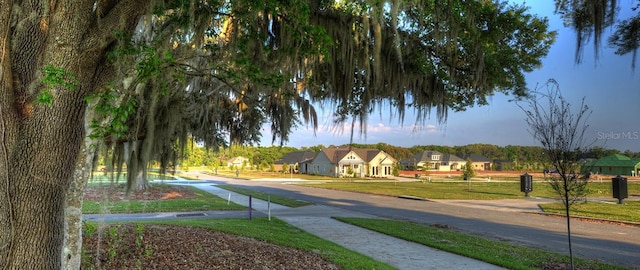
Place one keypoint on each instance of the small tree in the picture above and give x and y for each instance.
(468, 171)
(396, 169)
(561, 131)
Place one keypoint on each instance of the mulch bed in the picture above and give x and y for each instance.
(130, 246)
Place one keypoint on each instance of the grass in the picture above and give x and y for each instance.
(609, 210)
(279, 232)
(465, 190)
(204, 201)
(438, 190)
(277, 199)
(494, 252)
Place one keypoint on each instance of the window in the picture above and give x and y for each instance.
(435, 157)
(355, 166)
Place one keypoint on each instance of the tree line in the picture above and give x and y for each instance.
(261, 157)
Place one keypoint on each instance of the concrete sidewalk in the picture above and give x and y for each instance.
(316, 219)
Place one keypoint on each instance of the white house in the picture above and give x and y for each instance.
(352, 162)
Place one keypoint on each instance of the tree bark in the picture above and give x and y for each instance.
(40, 143)
(72, 247)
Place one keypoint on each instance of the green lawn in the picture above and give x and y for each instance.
(458, 190)
(466, 190)
(204, 201)
(610, 210)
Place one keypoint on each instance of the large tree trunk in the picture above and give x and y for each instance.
(40, 143)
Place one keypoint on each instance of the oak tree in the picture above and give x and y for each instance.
(133, 79)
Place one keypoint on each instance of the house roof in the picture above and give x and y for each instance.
(335, 154)
(615, 160)
(476, 158)
(422, 156)
(296, 157)
(452, 158)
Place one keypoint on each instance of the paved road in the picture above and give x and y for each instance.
(509, 220)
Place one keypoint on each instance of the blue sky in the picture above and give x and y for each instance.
(610, 86)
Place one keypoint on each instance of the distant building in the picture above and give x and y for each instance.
(479, 162)
(613, 165)
(433, 161)
(295, 159)
(238, 162)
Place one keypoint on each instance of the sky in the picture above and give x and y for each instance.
(609, 85)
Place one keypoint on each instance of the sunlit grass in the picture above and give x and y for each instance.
(628, 211)
(465, 190)
(457, 190)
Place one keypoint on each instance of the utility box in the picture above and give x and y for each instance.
(619, 186)
(526, 184)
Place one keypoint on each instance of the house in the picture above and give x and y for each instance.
(433, 161)
(613, 165)
(295, 159)
(452, 162)
(352, 162)
(479, 162)
(238, 162)
(427, 160)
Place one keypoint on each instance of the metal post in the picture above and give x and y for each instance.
(250, 207)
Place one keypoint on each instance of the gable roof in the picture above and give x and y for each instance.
(296, 157)
(476, 158)
(452, 158)
(335, 154)
(615, 160)
(422, 156)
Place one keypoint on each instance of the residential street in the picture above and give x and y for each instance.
(517, 221)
